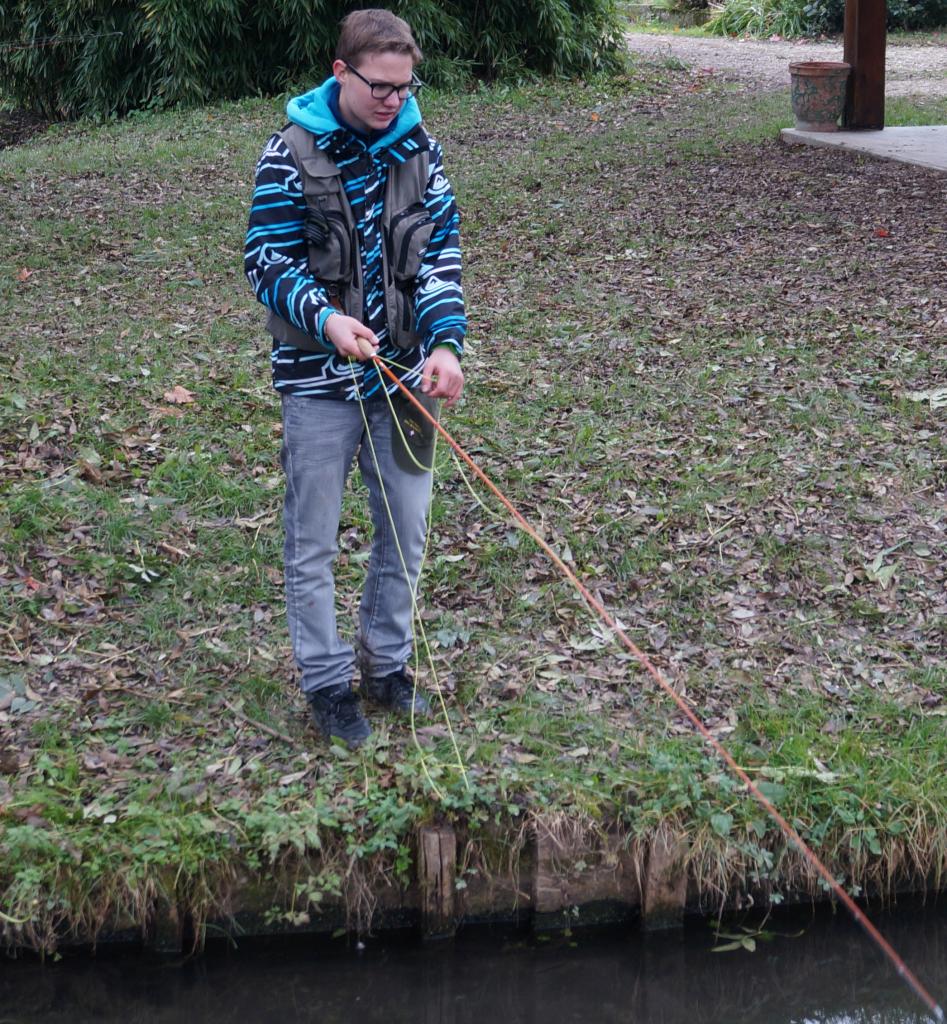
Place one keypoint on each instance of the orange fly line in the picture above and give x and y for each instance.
(599, 609)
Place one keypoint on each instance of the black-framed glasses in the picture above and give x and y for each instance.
(382, 90)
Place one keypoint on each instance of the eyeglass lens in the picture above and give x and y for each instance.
(382, 90)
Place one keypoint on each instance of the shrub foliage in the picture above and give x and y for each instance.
(812, 17)
(101, 57)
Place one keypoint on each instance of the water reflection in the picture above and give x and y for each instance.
(830, 975)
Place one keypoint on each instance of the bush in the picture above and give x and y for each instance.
(101, 57)
(687, 6)
(759, 18)
(798, 18)
(920, 14)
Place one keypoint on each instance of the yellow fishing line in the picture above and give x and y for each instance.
(407, 447)
(416, 617)
(460, 469)
(416, 614)
(476, 497)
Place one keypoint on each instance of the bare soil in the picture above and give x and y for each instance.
(16, 126)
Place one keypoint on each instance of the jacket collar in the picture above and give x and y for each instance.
(313, 111)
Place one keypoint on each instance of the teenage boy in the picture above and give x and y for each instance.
(353, 235)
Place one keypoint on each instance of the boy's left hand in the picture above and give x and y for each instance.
(443, 377)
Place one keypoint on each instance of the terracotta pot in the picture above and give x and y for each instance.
(818, 93)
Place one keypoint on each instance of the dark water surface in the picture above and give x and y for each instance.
(830, 974)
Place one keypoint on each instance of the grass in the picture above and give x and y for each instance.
(688, 361)
(932, 37)
(664, 23)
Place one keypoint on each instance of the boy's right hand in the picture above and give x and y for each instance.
(344, 331)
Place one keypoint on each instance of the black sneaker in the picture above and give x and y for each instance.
(336, 714)
(397, 692)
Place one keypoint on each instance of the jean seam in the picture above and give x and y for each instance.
(290, 559)
(383, 552)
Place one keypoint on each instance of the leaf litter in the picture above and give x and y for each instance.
(687, 362)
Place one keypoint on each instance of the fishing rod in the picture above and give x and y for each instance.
(599, 609)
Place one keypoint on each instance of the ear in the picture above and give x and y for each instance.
(340, 71)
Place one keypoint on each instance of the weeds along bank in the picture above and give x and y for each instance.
(707, 367)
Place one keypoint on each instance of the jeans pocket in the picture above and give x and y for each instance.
(308, 439)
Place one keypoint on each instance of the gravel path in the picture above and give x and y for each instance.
(911, 70)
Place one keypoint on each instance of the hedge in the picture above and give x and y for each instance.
(65, 58)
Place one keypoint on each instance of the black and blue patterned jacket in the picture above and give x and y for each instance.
(276, 252)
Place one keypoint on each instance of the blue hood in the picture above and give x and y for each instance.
(312, 112)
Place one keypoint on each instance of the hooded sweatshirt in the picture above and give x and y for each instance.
(276, 253)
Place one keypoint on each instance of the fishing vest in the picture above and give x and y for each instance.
(334, 256)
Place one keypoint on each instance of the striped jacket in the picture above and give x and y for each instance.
(276, 252)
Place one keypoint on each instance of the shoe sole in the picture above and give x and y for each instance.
(424, 712)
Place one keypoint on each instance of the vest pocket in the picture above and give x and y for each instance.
(408, 236)
(326, 229)
(330, 248)
(405, 315)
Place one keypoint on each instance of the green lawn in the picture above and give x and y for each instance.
(697, 361)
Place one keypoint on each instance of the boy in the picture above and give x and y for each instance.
(353, 235)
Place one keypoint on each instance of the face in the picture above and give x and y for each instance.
(356, 102)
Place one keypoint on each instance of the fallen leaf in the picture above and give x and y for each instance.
(178, 395)
(936, 396)
(24, 274)
(176, 554)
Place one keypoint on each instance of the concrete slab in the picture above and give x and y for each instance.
(925, 146)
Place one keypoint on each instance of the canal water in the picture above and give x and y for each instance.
(805, 969)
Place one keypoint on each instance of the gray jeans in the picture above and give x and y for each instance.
(320, 439)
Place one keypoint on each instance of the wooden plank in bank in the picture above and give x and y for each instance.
(437, 875)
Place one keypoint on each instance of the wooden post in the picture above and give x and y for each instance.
(164, 930)
(581, 882)
(437, 867)
(665, 889)
(865, 37)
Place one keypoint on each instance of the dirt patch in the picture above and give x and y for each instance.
(17, 126)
